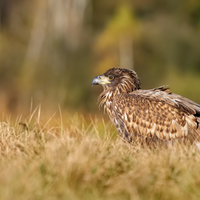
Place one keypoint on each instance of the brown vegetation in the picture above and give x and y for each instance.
(86, 160)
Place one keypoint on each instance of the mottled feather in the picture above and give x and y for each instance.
(151, 117)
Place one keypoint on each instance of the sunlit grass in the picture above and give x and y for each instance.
(84, 159)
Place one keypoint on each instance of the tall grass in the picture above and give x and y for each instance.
(76, 160)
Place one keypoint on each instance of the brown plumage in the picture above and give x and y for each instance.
(151, 117)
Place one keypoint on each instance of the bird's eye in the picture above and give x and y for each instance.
(110, 77)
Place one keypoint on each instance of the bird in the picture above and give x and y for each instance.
(154, 117)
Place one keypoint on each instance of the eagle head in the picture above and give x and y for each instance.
(125, 80)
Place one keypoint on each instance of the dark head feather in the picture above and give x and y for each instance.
(127, 80)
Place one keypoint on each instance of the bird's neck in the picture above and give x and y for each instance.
(107, 96)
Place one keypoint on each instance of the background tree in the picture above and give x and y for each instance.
(50, 50)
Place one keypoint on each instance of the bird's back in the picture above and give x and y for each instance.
(156, 116)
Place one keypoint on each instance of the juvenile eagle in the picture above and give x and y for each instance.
(150, 117)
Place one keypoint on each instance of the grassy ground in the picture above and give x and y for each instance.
(78, 160)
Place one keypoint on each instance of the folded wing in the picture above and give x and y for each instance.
(156, 113)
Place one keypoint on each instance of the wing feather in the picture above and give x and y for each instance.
(158, 113)
(183, 102)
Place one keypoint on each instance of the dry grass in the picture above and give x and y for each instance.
(78, 160)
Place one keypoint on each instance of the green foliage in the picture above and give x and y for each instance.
(49, 52)
(184, 83)
(122, 26)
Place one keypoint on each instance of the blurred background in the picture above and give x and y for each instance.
(50, 50)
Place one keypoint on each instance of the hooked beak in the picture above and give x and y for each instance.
(100, 80)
